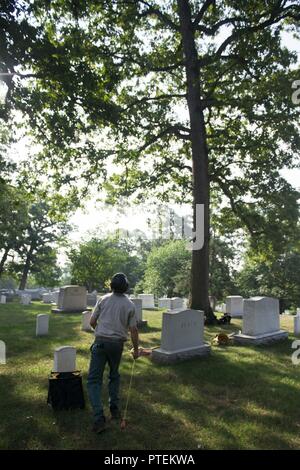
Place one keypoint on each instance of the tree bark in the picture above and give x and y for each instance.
(26, 269)
(3, 260)
(200, 257)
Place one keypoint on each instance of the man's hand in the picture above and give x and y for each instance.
(135, 341)
(141, 352)
(135, 353)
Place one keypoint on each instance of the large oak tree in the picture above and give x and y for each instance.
(188, 97)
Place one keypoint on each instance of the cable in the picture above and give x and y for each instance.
(123, 422)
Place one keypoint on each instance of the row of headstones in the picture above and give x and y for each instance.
(76, 297)
(183, 333)
(42, 323)
(25, 299)
(82, 301)
(171, 303)
(234, 306)
(68, 297)
(34, 294)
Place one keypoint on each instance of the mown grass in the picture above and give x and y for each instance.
(238, 398)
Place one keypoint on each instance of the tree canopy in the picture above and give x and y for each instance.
(190, 99)
(95, 261)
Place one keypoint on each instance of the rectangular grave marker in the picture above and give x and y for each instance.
(182, 336)
(86, 317)
(235, 306)
(42, 324)
(261, 321)
(71, 299)
(148, 300)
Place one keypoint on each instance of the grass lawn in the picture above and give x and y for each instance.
(238, 398)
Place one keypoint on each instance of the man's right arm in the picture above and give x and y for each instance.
(134, 332)
(95, 315)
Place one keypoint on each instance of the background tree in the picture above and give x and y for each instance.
(46, 227)
(13, 220)
(270, 272)
(94, 262)
(222, 269)
(45, 271)
(166, 266)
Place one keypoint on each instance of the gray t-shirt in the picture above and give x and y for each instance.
(115, 314)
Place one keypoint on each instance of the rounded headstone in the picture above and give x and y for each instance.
(42, 324)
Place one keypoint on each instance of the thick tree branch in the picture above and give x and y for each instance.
(293, 11)
(202, 12)
(151, 10)
(224, 185)
(18, 74)
(146, 99)
(175, 130)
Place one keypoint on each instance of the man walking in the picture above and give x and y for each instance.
(111, 319)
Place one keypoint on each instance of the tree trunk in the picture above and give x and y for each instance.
(3, 260)
(26, 269)
(200, 257)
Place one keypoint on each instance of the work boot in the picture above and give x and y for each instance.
(99, 426)
(115, 413)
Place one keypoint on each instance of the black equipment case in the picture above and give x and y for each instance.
(65, 391)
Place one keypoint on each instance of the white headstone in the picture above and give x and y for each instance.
(47, 298)
(261, 321)
(138, 303)
(297, 325)
(176, 302)
(164, 302)
(261, 316)
(148, 300)
(298, 311)
(86, 317)
(25, 299)
(91, 299)
(182, 336)
(2, 352)
(42, 324)
(71, 299)
(235, 305)
(64, 359)
(35, 294)
(3, 299)
(221, 308)
(172, 303)
(54, 297)
(212, 302)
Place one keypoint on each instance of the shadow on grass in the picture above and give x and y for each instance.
(229, 395)
(240, 397)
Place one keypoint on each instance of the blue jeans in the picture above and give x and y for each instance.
(102, 353)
